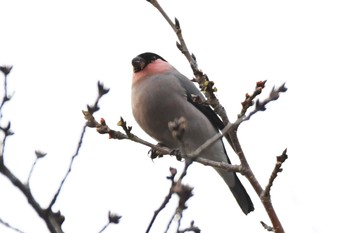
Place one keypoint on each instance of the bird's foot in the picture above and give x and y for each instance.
(177, 154)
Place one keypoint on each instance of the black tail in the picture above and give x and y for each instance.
(242, 196)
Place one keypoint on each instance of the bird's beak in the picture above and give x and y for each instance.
(138, 64)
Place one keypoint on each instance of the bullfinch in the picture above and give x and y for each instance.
(161, 94)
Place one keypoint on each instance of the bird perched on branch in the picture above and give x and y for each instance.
(161, 94)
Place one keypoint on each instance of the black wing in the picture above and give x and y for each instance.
(191, 93)
(210, 114)
(206, 110)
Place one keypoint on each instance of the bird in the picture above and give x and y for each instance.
(159, 95)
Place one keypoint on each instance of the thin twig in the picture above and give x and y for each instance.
(6, 224)
(112, 219)
(184, 193)
(177, 30)
(3, 143)
(212, 140)
(261, 105)
(170, 222)
(7, 131)
(5, 70)
(31, 170)
(104, 227)
(38, 155)
(69, 168)
(188, 162)
(94, 108)
(279, 161)
(179, 221)
(249, 99)
(165, 202)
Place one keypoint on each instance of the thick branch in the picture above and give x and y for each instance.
(52, 220)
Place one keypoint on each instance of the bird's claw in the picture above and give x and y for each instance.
(177, 154)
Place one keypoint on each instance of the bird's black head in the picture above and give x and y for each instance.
(142, 60)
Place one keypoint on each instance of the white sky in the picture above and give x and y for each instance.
(60, 50)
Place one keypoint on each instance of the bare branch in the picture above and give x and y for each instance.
(39, 155)
(176, 27)
(170, 222)
(6, 224)
(6, 129)
(279, 161)
(53, 201)
(203, 81)
(52, 219)
(166, 199)
(249, 99)
(184, 192)
(212, 140)
(91, 109)
(261, 105)
(6, 71)
(127, 129)
(161, 150)
(205, 85)
(112, 219)
(31, 171)
(104, 227)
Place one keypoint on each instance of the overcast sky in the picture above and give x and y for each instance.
(60, 49)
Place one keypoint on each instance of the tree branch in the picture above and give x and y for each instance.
(279, 161)
(261, 105)
(112, 219)
(166, 199)
(205, 84)
(6, 224)
(52, 219)
(6, 71)
(219, 109)
(103, 128)
(53, 201)
(92, 109)
(39, 155)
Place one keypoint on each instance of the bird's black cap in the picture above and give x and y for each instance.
(142, 60)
